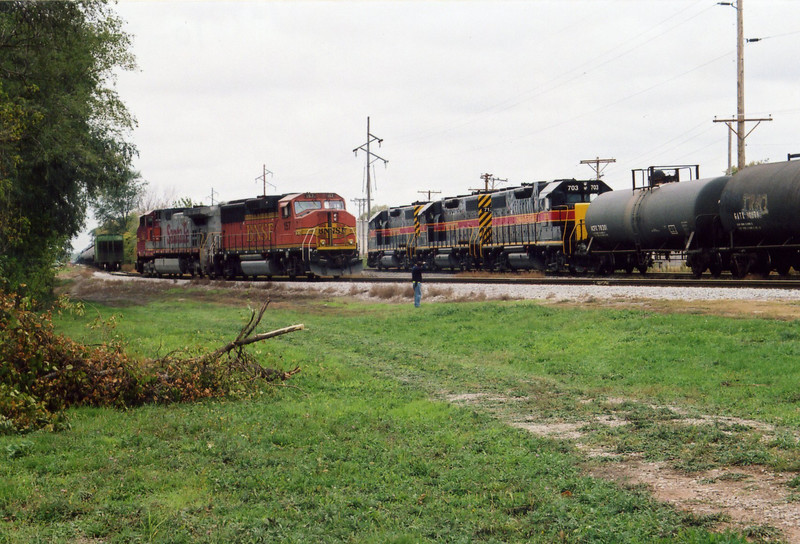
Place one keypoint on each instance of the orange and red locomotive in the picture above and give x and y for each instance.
(295, 234)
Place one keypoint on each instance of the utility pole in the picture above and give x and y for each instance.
(489, 178)
(594, 164)
(263, 178)
(360, 202)
(429, 193)
(213, 192)
(740, 120)
(371, 157)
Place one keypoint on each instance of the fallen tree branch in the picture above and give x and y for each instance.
(240, 343)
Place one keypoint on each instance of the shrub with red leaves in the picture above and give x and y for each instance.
(42, 373)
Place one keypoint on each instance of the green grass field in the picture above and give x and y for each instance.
(362, 445)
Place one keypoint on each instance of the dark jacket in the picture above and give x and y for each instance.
(416, 273)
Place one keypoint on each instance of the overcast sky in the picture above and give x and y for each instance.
(522, 90)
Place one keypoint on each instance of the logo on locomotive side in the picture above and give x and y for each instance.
(259, 232)
(177, 235)
(336, 230)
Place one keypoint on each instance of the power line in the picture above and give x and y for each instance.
(371, 158)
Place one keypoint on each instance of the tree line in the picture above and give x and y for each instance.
(64, 132)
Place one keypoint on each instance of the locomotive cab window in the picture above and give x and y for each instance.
(575, 198)
(334, 205)
(285, 211)
(305, 206)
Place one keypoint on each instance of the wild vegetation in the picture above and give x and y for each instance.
(374, 442)
(63, 130)
(42, 373)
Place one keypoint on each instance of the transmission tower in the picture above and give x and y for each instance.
(263, 179)
(371, 158)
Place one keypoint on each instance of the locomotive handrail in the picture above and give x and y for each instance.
(310, 233)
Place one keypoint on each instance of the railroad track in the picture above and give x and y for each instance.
(650, 280)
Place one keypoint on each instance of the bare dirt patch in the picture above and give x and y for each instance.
(773, 309)
(751, 499)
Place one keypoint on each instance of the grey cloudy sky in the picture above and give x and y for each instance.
(520, 89)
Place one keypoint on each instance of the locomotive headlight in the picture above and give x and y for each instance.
(336, 216)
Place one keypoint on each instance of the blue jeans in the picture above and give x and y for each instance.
(417, 293)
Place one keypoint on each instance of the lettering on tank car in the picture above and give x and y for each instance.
(672, 229)
(599, 229)
(754, 207)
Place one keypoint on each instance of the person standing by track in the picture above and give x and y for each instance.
(416, 280)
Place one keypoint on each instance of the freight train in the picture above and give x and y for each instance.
(297, 234)
(747, 223)
(106, 252)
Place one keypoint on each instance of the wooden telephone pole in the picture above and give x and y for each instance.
(595, 165)
(429, 193)
(487, 179)
(740, 119)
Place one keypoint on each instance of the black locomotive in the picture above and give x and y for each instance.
(533, 226)
(748, 223)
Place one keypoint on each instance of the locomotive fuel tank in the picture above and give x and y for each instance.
(761, 203)
(654, 218)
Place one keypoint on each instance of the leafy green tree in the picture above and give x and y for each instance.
(62, 129)
(375, 209)
(115, 204)
(735, 169)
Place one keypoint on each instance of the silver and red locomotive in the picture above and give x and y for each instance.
(298, 234)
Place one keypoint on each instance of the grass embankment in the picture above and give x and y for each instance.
(359, 449)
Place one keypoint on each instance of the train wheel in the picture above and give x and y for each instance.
(716, 270)
(739, 267)
(698, 265)
(642, 268)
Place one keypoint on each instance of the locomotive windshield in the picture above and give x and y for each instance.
(305, 206)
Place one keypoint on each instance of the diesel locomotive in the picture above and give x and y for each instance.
(298, 234)
(747, 223)
(532, 226)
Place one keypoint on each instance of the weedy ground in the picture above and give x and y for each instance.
(455, 422)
